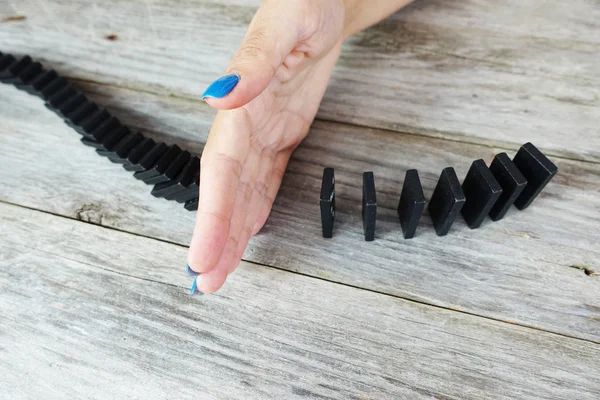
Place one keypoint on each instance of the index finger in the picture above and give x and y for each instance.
(221, 167)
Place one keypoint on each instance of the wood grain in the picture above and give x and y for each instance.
(95, 313)
(517, 270)
(498, 74)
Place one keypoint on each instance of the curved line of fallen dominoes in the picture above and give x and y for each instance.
(174, 172)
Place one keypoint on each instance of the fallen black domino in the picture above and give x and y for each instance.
(174, 172)
(411, 204)
(183, 187)
(191, 205)
(119, 151)
(446, 202)
(537, 169)
(482, 191)
(166, 168)
(369, 206)
(327, 202)
(512, 182)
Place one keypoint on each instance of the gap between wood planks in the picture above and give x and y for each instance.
(287, 271)
(502, 146)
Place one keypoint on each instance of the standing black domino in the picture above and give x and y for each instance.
(537, 169)
(512, 182)
(369, 206)
(446, 202)
(411, 204)
(327, 202)
(482, 191)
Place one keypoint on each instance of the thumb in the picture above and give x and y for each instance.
(267, 43)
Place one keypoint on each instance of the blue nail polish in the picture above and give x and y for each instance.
(190, 271)
(221, 87)
(194, 290)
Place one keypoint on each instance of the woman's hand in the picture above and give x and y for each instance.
(267, 99)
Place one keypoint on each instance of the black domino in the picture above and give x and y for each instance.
(188, 180)
(91, 121)
(118, 152)
(6, 60)
(109, 141)
(411, 204)
(512, 182)
(369, 206)
(53, 87)
(170, 189)
(191, 192)
(148, 158)
(191, 205)
(69, 105)
(327, 202)
(64, 94)
(80, 113)
(446, 202)
(10, 73)
(38, 83)
(482, 191)
(166, 168)
(537, 169)
(26, 75)
(101, 130)
(156, 173)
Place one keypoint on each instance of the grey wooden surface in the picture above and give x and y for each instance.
(84, 318)
(511, 310)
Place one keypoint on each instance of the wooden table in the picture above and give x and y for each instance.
(93, 290)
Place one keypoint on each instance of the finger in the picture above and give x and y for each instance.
(221, 168)
(210, 281)
(257, 200)
(268, 41)
(228, 260)
(277, 173)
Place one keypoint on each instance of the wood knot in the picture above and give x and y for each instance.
(14, 18)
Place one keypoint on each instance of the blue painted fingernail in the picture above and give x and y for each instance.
(221, 87)
(194, 290)
(190, 271)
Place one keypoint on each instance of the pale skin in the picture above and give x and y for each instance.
(284, 64)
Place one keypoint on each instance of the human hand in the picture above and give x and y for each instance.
(267, 99)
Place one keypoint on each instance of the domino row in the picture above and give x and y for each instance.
(175, 173)
(484, 191)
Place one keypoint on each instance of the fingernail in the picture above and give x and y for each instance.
(194, 290)
(221, 87)
(190, 271)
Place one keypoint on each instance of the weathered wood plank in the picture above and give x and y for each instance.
(474, 70)
(518, 269)
(91, 312)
